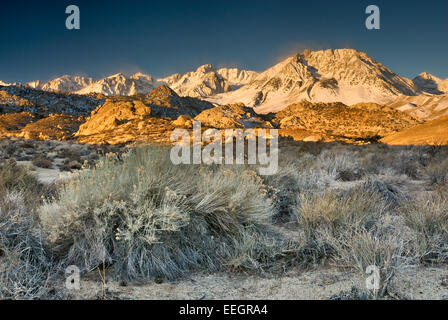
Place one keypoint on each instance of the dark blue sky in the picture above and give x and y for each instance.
(163, 37)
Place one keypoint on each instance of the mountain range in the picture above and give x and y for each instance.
(340, 75)
(203, 82)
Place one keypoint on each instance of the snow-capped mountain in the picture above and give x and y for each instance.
(3, 83)
(203, 82)
(119, 84)
(237, 77)
(206, 81)
(65, 83)
(341, 75)
(428, 83)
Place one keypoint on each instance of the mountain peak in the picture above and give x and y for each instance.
(429, 83)
(344, 75)
(205, 68)
(117, 75)
(427, 75)
(140, 75)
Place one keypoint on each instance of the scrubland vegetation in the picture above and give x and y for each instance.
(140, 218)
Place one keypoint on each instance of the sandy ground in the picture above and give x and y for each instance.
(46, 175)
(322, 284)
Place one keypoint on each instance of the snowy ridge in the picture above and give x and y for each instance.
(203, 82)
(237, 77)
(206, 81)
(428, 83)
(65, 83)
(119, 84)
(343, 75)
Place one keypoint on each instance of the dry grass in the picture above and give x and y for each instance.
(357, 208)
(428, 217)
(143, 217)
(437, 171)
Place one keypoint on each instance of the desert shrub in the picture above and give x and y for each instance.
(408, 162)
(42, 162)
(70, 155)
(347, 228)
(437, 171)
(428, 217)
(148, 217)
(349, 175)
(284, 189)
(441, 189)
(356, 208)
(314, 148)
(389, 193)
(380, 159)
(26, 272)
(14, 177)
(293, 177)
(27, 145)
(268, 252)
(10, 149)
(340, 163)
(360, 248)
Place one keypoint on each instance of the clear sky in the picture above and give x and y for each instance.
(163, 37)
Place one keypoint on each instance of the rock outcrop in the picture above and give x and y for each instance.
(231, 116)
(359, 121)
(141, 118)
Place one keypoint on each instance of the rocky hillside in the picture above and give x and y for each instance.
(145, 117)
(425, 107)
(365, 121)
(11, 124)
(231, 116)
(433, 132)
(19, 99)
(343, 75)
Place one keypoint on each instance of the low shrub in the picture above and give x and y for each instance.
(26, 272)
(42, 162)
(428, 217)
(437, 171)
(353, 209)
(150, 218)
